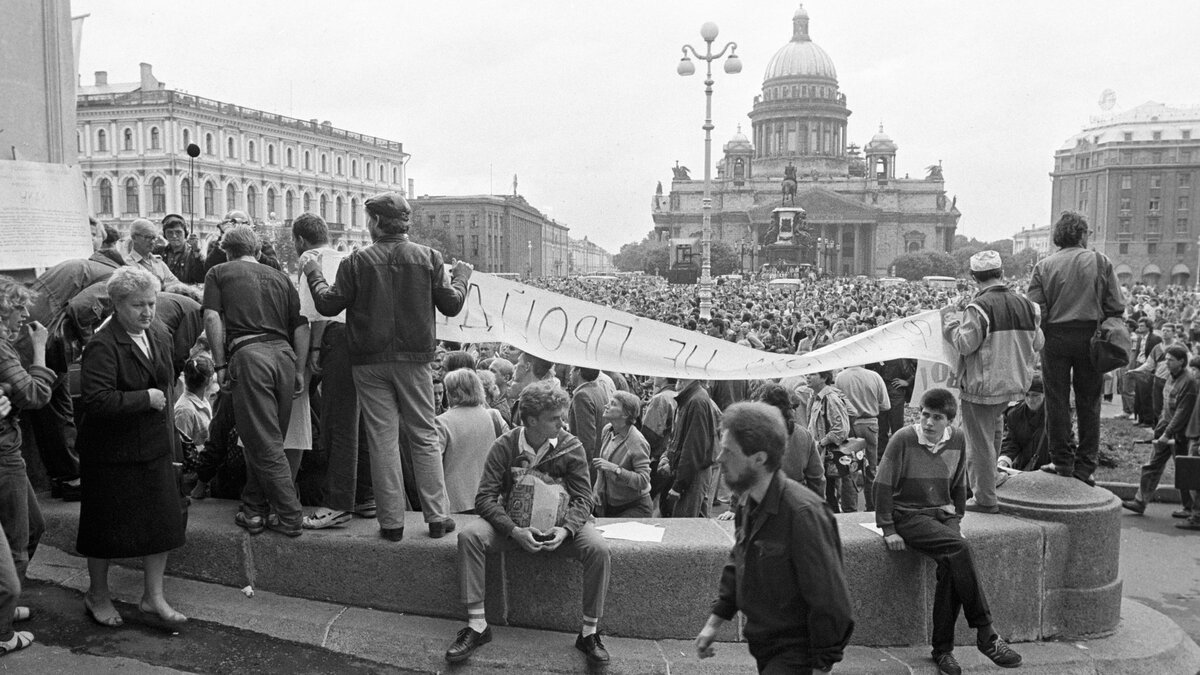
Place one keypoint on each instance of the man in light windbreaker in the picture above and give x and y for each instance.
(997, 337)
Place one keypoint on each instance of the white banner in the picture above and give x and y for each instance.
(43, 215)
(565, 330)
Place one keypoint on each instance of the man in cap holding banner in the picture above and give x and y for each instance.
(997, 337)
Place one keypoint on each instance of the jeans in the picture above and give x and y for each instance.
(348, 468)
(19, 511)
(10, 588)
(979, 422)
(935, 533)
(404, 388)
(1067, 366)
(478, 538)
(263, 377)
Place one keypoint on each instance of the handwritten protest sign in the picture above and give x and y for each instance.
(566, 330)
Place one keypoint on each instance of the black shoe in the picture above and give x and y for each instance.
(1086, 480)
(947, 664)
(252, 524)
(273, 523)
(466, 643)
(1188, 525)
(592, 648)
(440, 529)
(1000, 653)
(1052, 468)
(1181, 513)
(392, 533)
(68, 491)
(1134, 505)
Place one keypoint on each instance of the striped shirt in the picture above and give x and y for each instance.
(913, 476)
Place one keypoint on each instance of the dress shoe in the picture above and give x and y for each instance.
(392, 533)
(466, 643)
(1134, 505)
(592, 648)
(440, 529)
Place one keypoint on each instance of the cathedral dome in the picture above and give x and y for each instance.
(738, 142)
(800, 57)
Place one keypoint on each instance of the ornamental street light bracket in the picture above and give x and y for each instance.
(733, 65)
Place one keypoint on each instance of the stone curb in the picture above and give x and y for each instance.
(1165, 495)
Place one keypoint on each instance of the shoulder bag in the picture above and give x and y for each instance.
(1110, 344)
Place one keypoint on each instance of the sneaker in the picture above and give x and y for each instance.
(1181, 513)
(323, 518)
(252, 524)
(1134, 505)
(975, 507)
(1000, 653)
(439, 529)
(366, 509)
(592, 648)
(466, 643)
(947, 664)
(274, 524)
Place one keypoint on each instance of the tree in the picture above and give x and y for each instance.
(913, 266)
(435, 238)
(724, 258)
(1021, 264)
(644, 256)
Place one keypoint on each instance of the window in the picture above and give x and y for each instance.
(354, 168)
(307, 203)
(155, 139)
(271, 154)
(1185, 156)
(1127, 157)
(106, 204)
(1083, 184)
(368, 171)
(1155, 181)
(101, 141)
(307, 161)
(158, 195)
(1152, 225)
(1128, 135)
(337, 210)
(1152, 248)
(324, 163)
(1180, 248)
(353, 212)
(271, 202)
(208, 144)
(187, 138)
(395, 175)
(185, 195)
(230, 148)
(1187, 134)
(461, 243)
(131, 197)
(1126, 204)
(1156, 135)
(1181, 225)
(252, 202)
(1123, 249)
(1184, 180)
(324, 206)
(1083, 204)
(1127, 181)
(339, 166)
(290, 160)
(250, 153)
(1181, 203)
(230, 197)
(1125, 226)
(1154, 204)
(1156, 157)
(128, 138)
(210, 199)
(475, 245)
(289, 204)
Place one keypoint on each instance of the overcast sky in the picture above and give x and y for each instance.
(582, 102)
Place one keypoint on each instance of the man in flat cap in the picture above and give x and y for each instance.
(389, 291)
(182, 254)
(997, 337)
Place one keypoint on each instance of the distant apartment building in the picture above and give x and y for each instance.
(497, 233)
(588, 258)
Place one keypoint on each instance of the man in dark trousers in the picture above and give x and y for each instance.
(785, 570)
(692, 458)
(1170, 434)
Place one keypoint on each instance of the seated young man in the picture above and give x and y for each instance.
(920, 497)
(544, 445)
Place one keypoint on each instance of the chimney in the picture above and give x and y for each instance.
(148, 83)
(101, 78)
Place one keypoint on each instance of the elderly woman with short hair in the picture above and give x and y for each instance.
(130, 503)
(466, 432)
(621, 474)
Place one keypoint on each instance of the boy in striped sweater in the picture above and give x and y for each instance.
(920, 496)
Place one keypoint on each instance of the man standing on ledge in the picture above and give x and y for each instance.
(389, 291)
(785, 570)
(541, 444)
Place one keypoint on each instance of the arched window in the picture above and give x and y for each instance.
(290, 161)
(368, 171)
(324, 206)
(252, 202)
(324, 163)
(128, 136)
(289, 204)
(395, 175)
(106, 204)
(101, 141)
(158, 195)
(208, 144)
(270, 202)
(339, 166)
(155, 139)
(210, 198)
(78, 142)
(307, 203)
(131, 197)
(307, 161)
(229, 152)
(353, 212)
(271, 154)
(185, 195)
(337, 210)
(230, 197)
(187, 138)
(250, 154)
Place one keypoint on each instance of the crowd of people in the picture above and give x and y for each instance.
(148, 379)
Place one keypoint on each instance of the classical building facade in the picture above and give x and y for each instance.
(588, 258)
(858, 215)
(1132, 175)
(1034, 238)
(132, 140)
(498, 233)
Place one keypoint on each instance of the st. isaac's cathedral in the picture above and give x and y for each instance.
(858, 216)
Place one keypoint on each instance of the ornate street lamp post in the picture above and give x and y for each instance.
(732, 65)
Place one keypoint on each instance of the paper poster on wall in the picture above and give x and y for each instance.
(43, 215)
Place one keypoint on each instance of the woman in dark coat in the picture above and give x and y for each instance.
(130, 502)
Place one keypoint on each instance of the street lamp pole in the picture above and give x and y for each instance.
(529, 246)
(732, 65)
(1198, 265)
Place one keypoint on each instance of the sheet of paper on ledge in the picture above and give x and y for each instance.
(873, 527)
(633, 531)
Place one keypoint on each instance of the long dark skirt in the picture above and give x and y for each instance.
(129, 510)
